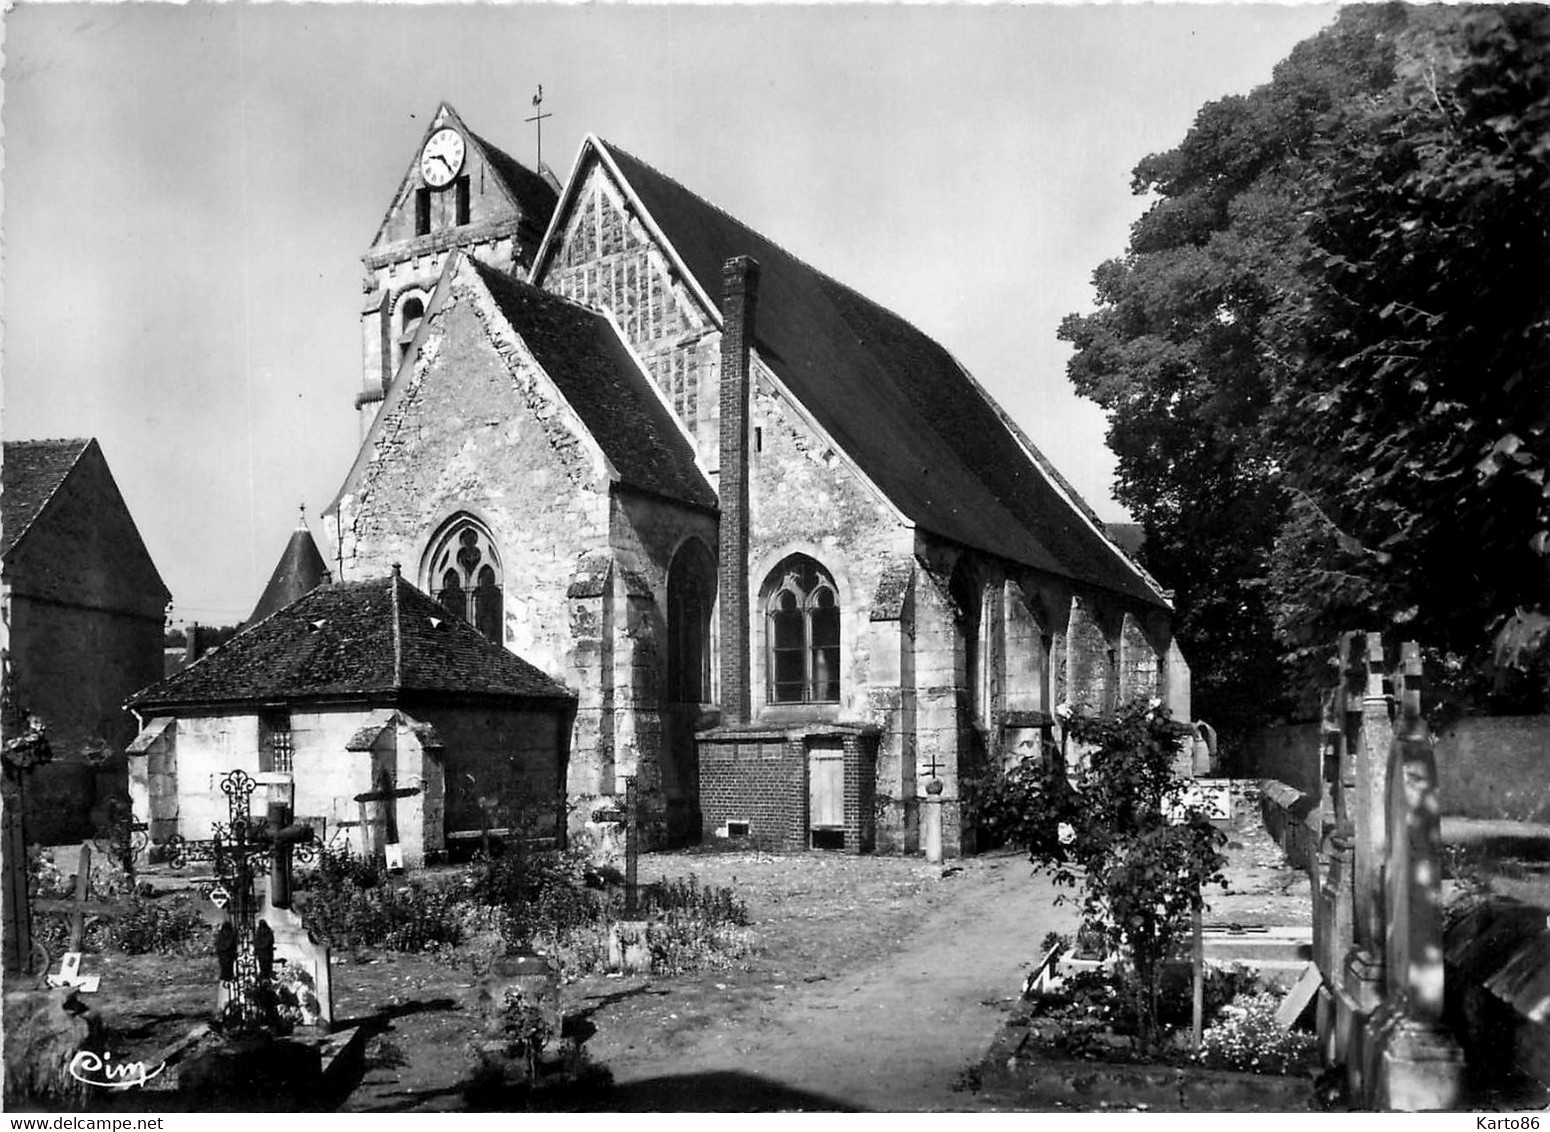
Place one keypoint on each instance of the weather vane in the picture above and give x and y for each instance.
(538, 120)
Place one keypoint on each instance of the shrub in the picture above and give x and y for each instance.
(1245, 1036)
(168, 926)
(413, 917)
(715, 906)
(684, 941)
(343, 867)
(1119, 824)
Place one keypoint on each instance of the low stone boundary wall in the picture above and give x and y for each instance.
(1488, 767)
(1292, 818)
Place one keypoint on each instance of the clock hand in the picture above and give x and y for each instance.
(443, 160)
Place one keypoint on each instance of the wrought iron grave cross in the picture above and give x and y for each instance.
(240, 850)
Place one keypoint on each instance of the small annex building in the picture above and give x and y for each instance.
(794, 561)
(359, 688)
(84, 610)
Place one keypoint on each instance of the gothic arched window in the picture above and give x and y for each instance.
(801, 634)
(691, 591)
(464, 573)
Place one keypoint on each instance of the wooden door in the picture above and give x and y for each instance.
(826, 786)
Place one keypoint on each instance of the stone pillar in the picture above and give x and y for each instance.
(891, 699)
(931, 822)
(590, 772)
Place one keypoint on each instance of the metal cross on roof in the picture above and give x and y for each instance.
(538, 120)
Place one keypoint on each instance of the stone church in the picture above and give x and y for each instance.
(794, 562)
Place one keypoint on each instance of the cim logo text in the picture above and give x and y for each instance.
(100, 1071)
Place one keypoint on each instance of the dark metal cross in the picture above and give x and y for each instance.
(240, 850)
(538, 120)
(630, 816)
(934, 770)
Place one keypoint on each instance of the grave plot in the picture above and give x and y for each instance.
(242, 1009)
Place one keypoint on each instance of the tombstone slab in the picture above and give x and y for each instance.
(303, 968)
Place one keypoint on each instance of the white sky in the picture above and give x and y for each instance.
(188, 191)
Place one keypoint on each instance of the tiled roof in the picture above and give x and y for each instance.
(301, 570)
(594, 370)
(377, 638)
(896, 402)
(34, 469)
(1129, 537)
(534, 195)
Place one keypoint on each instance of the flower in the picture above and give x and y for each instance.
(1066, 834)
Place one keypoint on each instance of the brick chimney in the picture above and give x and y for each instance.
(739, 298)
(191, 642)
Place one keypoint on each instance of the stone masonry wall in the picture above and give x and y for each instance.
(646, 534)
(481, 429)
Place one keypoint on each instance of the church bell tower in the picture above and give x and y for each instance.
(459, 192)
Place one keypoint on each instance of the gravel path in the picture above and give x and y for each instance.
(890, 1030)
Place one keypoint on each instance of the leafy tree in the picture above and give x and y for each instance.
(1120, 821)
(1323, 356)
(1415, 424)
(1178, 353)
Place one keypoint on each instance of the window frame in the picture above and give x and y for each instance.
(463, 550)
(804, 580)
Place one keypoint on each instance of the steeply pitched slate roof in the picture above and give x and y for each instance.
(595, 371)
(34, 469)
(533, 195)
(301, 570)
(376, 638)
(897, 403)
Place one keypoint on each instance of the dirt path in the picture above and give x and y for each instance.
(891, 1029)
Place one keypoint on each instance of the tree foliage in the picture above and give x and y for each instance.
(1324, 355)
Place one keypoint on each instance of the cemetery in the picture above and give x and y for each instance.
(1343, 958)
(1339, 955)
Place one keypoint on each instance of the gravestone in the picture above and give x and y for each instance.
(1414, 1063)
(1362, 971)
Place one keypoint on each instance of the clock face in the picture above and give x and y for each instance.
(442, 157)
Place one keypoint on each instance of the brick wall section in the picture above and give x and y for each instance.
(860, 792)
(758, 776)
(740, 281)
